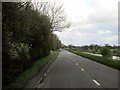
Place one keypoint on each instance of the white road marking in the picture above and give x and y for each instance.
(73, 60)
(96, 82)
(76, 63)
(82, 69)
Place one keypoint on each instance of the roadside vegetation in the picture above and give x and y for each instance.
(105, 52)
(21, 80)
(103, 60)
(96, 49)
(28, 35)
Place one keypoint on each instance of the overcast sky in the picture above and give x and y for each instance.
(93, 22)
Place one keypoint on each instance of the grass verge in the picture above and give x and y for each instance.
(109, 62)
(28, 74)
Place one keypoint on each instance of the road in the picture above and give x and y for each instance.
(73, 71)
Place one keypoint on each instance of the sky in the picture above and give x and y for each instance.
(92, 22)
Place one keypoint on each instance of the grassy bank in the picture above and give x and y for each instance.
(28, 74)
(109, 62)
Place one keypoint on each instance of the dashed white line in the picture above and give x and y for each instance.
(82, 69)
(96, 82)
(73, 60)
(76, 63)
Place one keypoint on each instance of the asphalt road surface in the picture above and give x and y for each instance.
(72, 71)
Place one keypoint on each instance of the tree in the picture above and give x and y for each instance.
(55, 42)
(105, 51)
(26, 38)
(107, 45)
(55, 12)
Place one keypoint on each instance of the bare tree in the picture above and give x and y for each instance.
(55, 12)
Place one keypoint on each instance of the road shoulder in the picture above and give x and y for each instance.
(34, 82)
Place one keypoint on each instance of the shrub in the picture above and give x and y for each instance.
(105, 51)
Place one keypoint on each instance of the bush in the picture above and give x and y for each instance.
(105, 51)
(93, 51)
(26, 38)
(118, 52)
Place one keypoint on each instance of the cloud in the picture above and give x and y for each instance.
(88, 13)
(93, 22)
(72, 37)
(82, 37)
(111, 39)
(93, 12)
(104, 32)
(104, 10)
